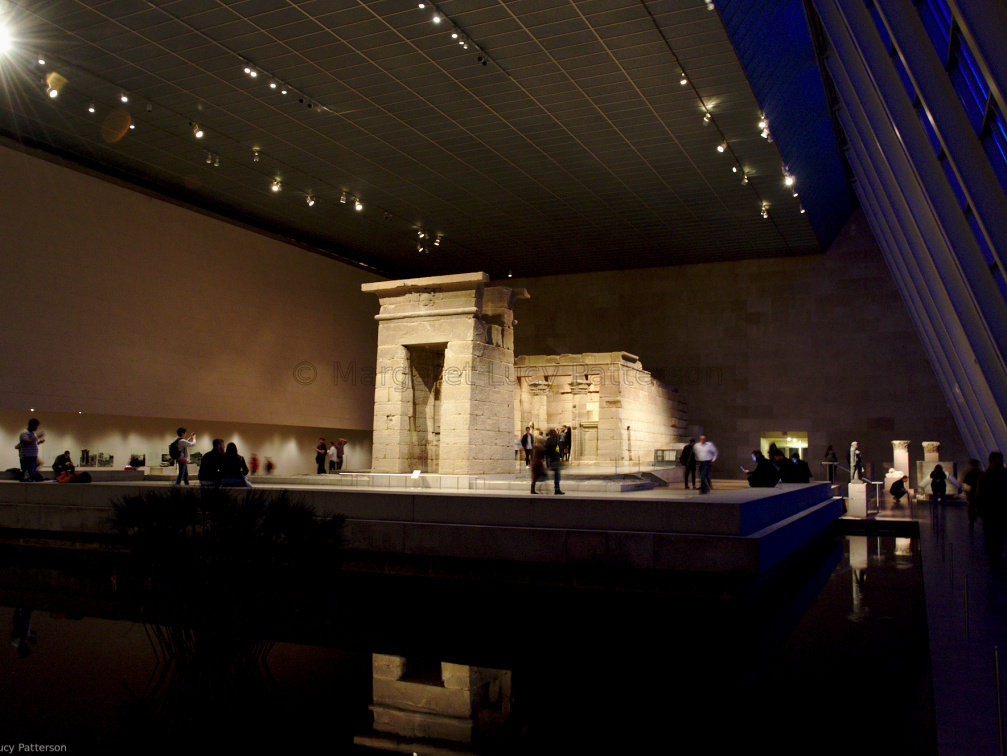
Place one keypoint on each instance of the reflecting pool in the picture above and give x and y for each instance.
(831, 655)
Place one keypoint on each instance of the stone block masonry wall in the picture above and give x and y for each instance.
(818, 343)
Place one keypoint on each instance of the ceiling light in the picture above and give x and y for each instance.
(255, 154)
(90, 108)
(272, 85)
(358, 205)
(706, 118)
(342, 198)
(802, 209)
(310, 200)
(216, 161)
(253, 73)
(795, 192)
(684, 80)
(765, 210)
(209, 158)
(763, 124)
(422, 6)
(248, 70)
(454, 35)
(41, 60)
(283, 91)
(437, 18)
(196, 131)
(132, 125)
(437, 240)
(53, 92)
(788, 180)
(510, 274)
(124, 97)
(734, 169)
(722, 146)
(710, 6)
(276, 185)
(744, 178)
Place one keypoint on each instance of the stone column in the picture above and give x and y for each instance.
(539, 388)
(579, 388)
(900, 450)
(931, 451)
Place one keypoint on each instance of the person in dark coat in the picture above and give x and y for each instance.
(991, 501)
(233, 470)
(211, 465)
(898, 489)
(764, 474)
(688, 461)
(803, 470)
(938, 485)
(320, 452)
(969, 483)
(537, 460)
(554, 456)
(788, 470)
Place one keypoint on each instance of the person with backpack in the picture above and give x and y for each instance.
(178, 450)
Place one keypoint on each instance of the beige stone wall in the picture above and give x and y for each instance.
(120, 304)
(821, 344)
(634, 413)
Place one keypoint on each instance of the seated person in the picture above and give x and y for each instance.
(788, 470)
(63, 464)
(898, 489)
(764, 475)
(233, 470)
(803, 470)
(211, 464)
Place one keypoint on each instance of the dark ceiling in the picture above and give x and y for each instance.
(561, 139)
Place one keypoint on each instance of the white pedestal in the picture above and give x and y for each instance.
(900, 451)
(857, 500)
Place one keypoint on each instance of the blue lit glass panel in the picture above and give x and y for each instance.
(995, 144)
(971, 72)
(937, 21)
(882, 29)
(980, 238)
(954, 183)
(973, 110)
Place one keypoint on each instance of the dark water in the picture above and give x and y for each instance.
(827, 658)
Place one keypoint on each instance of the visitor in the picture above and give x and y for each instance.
(764, 474)
(27, 448)
(785, 466)
(320, 452)
(537, 461)
(212, 464)
(898, 489)
(969, 482)
(991, 502)
(706, 455)
(63, 466)
(340, 452)
(938, 485)
(566, 440)
(554, 456)
(184, 443)
(253, 463)
(331, 454)
(688, 460)
(803, 469)
(528, 444)
(831, 460)
(233, 469)
(269, 466)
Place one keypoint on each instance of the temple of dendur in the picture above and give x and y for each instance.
(450, 398)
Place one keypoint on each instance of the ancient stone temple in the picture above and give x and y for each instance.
(617, 410)
(444, 386)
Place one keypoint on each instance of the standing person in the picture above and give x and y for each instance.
(340, 452)
(528, 444)
(253, 463)
(803, 469)
(269, 466)
(566, 440)
(320, 452)
(184, 443)
(688, 461)
(969, 486)
(331, 454)
(706, 455)
(938, 485)
(27, 449)
(554, 456)
(832, 460)
(991, 501)
(537, 461)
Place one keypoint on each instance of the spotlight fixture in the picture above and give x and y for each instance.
(706, 118)
(437, 240)
(6, 46)
(788, 180)
(209, 158)
(422, 6)
(253, 73)
(744, 179)
(124, 97)
(802, 209)
(454, 35)
(90, 108)
(196, 131)
(276, 185)
(763, 124)
(710, 6)
(510, 274)
(766, 135)
(795, 192)
(765, 210)
(248, 70)
(255, 154)
(722, 146)
(357, 205)
(52, 91)
(132, 125)
(310, 200)
(734, 169)
(684, 80)
(437, 18)
(342, 198)
(272, 85)
(216, 161)
(421, 242)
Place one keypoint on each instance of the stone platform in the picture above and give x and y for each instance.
(743, 531)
